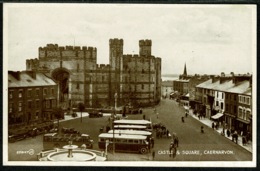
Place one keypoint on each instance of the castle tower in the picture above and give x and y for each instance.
(116, 63)
(185, 70)
(145, 47)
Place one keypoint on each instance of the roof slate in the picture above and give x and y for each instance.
(27, 81)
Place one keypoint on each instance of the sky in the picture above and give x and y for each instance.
(210, 39)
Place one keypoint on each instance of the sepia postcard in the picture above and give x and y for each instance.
(139, 85)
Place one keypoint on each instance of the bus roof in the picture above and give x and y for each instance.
(130, 126)
(50, 134)
(122, 136)
(131, 132)
(132, 122)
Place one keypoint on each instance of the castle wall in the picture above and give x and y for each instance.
(135, 78)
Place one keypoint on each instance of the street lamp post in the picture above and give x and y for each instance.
(113, 123)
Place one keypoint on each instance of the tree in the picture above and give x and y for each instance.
(81, 108)
(58, 114)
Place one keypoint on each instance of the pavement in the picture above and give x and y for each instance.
(208, 122)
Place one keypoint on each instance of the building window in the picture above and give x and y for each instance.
(37, 92)
(37, 104)
(226, 108)
(36, 115)
(222, 94)
(216, 103)
(244, 114)
(20, 106)
(47, 104)
(29, 104)
(240, 113)
(221, 105)
(77, 67)
(103, 78)
(52, 91)
(53, 103)
(142, 86)
(20, 95)
(45, 91)
(235, 109)
(11, 94)
(248, 101)
(142, 71)
(29, 93)
(78, 86)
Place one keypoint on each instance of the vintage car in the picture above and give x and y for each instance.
(95, 114)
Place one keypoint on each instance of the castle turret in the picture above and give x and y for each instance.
(115, 53)
(145, 47)
(116, 63)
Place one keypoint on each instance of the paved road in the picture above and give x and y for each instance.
(191, 141)
(193, 145)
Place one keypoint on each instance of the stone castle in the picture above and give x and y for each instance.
(135, 78)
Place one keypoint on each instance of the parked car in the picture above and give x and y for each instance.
(69, 131)
(18, 135)
(95, 114)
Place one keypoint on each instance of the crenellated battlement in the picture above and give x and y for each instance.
(116, 41)
(56, 47)
(131, 56)
(102, 66)
(145, 42)
(32, 64)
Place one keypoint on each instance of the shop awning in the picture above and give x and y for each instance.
(218, 115)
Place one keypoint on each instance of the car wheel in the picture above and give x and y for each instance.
(143, 150)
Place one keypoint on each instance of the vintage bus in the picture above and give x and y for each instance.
(54, 140)
(131, 132)
(124, 142)
(146, 123)
(130, 127)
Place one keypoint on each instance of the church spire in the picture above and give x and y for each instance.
(185, 70)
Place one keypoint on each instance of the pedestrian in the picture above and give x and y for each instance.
(213, 125)
(149, 146)
(228, 133)
(186, 114)
(177, 141)
(152, 142)
(202, 129)
(235, 136)
(182, 119)
(153, 154)
(171, 147)
(167, 133)
(244, 140)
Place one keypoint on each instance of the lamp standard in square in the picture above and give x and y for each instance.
(113, 123)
